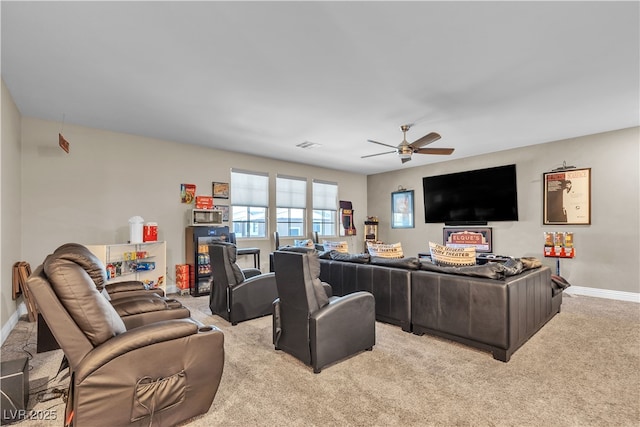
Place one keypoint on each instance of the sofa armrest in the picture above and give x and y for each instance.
(141, 341)
(125, 286)
(345, 310)
(137, 305)
(346, 325)
(172, 369)
(251, 272)
(130, 288)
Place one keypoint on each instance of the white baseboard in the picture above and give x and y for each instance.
(13, 321)
(604, 293)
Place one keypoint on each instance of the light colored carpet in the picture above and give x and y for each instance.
(581, 369)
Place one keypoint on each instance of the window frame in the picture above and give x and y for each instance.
(249, 199)
(289, 201)
(319, 209)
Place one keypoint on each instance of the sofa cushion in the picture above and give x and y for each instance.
(357, 258)
(383, 250)
(300, 249)
(232, 254)
(78, 294)
(409, 263)
(318, 288)
(455, 257)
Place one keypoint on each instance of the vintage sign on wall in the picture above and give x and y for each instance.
(469, 237)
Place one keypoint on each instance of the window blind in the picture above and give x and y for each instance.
(325, 195)
(291, 192)
(249, 188)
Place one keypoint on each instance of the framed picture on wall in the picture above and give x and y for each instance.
(225, 211)
(402, 209)
(220, 190)
(567, 197)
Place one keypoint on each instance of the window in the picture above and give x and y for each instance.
(291, 203)
(249, 203)
(325, 207)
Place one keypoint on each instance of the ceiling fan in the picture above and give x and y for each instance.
(405, 150)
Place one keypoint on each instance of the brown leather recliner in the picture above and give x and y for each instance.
(159, 374)
(135, 304)
(236, 294)
(308, 324)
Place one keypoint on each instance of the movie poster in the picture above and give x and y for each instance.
(567, 197)
(187, 193)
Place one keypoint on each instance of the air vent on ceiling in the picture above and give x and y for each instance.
(308, 144)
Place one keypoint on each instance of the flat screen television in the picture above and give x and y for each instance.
(471, 197)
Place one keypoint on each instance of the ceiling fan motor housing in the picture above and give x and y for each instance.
(405, 151)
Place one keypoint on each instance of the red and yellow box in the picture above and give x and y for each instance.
(182, 276)
(204, 202)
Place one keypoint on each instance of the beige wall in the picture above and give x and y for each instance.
(607, 251)
(10, 242)
(88, 195)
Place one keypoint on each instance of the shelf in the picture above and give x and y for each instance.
(120, 253)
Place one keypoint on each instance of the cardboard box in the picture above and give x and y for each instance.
(182, 276)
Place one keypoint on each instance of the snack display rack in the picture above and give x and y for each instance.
(559, 244)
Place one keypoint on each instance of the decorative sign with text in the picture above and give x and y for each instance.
(479, 238)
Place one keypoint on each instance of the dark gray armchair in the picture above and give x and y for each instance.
(309, 324)
(236, 294)
(158, 374)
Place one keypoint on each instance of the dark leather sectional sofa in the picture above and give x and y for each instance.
(496, 315)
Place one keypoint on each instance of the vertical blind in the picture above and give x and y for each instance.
(249, 188)
(325, 195)
(291, 192)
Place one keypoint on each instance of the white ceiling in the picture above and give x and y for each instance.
(261, 77)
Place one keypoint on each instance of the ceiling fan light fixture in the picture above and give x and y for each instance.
(405, 152)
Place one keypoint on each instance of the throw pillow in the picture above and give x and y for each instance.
(382, 250)
(456, 257)
(306, 243)
(342, 247)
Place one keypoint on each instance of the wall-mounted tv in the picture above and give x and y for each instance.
(471, 197)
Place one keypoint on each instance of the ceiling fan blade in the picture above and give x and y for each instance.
(405, 160)
(445, 151)
(378, 154)
(427, 139)
(381, 143)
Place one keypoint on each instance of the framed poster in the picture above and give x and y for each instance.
(220, 190)
(187, 193)
(567, 197)
(477, 237)
(225, 211)
(402, 209)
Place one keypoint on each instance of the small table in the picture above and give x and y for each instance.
(251, 251)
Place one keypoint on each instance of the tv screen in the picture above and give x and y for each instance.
(471, 197)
